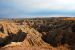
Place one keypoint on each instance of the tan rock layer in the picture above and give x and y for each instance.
(29, 37)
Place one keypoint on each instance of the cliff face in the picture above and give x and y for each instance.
(22, 35)
(13, 32)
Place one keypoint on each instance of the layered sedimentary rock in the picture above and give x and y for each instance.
(15, 35)
(20, 33)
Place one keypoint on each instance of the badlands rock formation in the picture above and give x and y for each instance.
(22, 36)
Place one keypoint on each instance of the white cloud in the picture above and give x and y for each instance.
(44, 4)
(55, 4)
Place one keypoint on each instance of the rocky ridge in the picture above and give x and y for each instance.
(19, 36)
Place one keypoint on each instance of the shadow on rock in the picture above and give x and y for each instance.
(19, 37)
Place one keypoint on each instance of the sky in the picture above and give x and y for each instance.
(36, 8)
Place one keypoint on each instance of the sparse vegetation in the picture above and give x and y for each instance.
(46, 33)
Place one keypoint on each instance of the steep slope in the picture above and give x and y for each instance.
(15, 36)
(20, 33)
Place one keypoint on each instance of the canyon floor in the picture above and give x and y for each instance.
(37, 34)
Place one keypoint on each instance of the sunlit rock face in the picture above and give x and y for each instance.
(20, 33)
(37, 34)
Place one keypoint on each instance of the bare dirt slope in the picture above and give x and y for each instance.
(22, 36)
